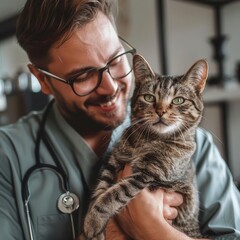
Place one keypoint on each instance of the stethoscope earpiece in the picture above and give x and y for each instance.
(68, 202)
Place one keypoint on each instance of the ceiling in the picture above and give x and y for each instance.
(9, 8)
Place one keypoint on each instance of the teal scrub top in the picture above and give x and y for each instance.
(219, 198)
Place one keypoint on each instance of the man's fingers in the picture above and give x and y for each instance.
(173, 199)
(170, 213)
(127, 171)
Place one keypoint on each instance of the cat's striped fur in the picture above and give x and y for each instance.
(158, 145)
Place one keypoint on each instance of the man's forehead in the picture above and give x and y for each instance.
(87, 44)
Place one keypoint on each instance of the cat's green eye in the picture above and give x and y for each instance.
(149, 98)
(178, 100)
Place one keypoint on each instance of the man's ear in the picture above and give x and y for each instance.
(42, 79)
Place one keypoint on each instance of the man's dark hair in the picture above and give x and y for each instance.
(43, 23)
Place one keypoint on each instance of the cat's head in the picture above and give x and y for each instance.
(168, 104)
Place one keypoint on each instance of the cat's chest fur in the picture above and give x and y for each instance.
(170, 159)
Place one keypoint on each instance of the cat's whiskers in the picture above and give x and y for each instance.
(148, 134)
(144, 128)
(143, 134)
(180, 132)
(134, 128)
(145, 131)
(215, 136)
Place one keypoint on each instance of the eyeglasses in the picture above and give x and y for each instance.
(87, 81)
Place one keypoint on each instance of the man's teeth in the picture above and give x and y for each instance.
(108, 104)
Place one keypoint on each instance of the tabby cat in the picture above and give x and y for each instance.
(158, 145)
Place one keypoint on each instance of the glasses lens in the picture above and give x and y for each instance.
(121, 65)
(85, 82)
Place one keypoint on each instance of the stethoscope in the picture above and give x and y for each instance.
(67, 202)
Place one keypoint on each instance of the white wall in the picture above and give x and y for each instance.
(231, 20)
(12, 58)
(188, 28)
(140, 28)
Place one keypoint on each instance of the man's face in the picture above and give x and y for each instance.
(91, 46)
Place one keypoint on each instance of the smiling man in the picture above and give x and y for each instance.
(49, 160)
(99, 79)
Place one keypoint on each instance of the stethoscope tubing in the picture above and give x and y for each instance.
(43, 166)
(58, 168)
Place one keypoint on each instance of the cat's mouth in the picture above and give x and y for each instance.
(160, 121)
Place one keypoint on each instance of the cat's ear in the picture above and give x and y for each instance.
(197, 75)
(141, 68)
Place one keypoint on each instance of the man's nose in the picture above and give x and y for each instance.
(108, 85)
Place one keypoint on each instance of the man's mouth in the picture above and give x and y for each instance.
(109, 103)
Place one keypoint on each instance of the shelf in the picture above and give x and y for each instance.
(231, 92)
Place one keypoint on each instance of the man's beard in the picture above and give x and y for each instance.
(82, 121)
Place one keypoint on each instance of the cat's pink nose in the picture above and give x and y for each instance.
(161, 112)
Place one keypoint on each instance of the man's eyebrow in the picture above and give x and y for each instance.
(77, 71)
(116, 52)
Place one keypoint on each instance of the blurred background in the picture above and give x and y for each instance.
(172, 35)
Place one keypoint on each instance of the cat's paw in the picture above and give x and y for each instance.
(94, 225)
(99, 237)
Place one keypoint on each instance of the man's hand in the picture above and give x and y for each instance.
(170, 200)
(148, 216)
(114, 232)
(139, 217)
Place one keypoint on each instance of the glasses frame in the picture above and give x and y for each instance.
(100, 71)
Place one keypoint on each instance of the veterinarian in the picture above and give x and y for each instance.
(49, 159)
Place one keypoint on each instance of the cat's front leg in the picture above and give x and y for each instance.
(106, 178)
(109, 203)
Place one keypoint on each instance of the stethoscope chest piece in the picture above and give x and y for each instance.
(68, 202)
